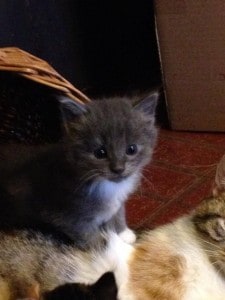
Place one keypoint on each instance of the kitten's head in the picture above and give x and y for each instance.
(110, 138)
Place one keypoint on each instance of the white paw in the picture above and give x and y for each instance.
(128, 236)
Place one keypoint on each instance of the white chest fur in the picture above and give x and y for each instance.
(118, 191)
(113, 194)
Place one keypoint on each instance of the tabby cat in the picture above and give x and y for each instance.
(183, 260)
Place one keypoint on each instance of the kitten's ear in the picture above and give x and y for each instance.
(217, 229)
(219, 185)
(214, 226)
(71, 109)
(148, 104)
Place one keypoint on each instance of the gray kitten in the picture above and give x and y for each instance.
(77, 184)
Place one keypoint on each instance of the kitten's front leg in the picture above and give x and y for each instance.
(121, 253)
(128, 236)
(119, 223)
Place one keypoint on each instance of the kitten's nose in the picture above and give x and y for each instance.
(117, 169)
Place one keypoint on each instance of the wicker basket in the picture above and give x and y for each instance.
(23, 63)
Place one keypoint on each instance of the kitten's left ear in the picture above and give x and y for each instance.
(71, 109)
(148, 104)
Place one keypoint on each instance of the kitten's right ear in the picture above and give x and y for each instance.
(148, 104)
(71, 109)
(219, 185)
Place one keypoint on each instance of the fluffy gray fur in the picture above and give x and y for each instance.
(79, 184)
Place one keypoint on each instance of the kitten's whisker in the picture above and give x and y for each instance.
(213, 255)
(140, 188)
(208, 250)
(210, 243)
(86, 177)
(139, 193)
(147, 171)
(87, 174)
(147, 180)
(218, 268)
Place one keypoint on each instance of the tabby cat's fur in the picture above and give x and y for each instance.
(32, 264)
(184, 260)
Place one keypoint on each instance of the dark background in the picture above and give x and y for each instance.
(102, 47)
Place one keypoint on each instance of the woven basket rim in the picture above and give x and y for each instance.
(13, 59)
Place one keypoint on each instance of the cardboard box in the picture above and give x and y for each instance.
(191, 38)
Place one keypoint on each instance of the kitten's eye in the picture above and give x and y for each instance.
(100, 153)
(131, 149)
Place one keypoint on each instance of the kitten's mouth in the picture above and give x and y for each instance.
(118, 178)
